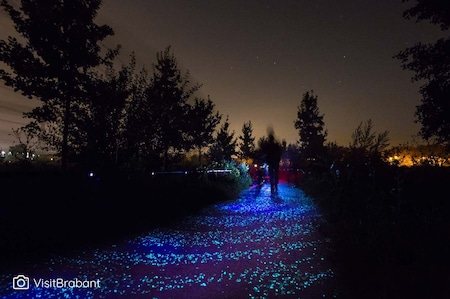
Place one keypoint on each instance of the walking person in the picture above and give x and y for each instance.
(272, 150)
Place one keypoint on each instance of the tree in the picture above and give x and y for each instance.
(202, 124)
(247, 141)
(292, 155)
(139, 124)
(19, 152)
(224, 146)
(438, 12)
(310, 124)
(366, 144)
(168, 96)
(431, 63)
(29, 144)
(103, 120)
(25, 149)
(60, 48)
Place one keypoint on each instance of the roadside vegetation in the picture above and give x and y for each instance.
(45, 211)
(389, 224)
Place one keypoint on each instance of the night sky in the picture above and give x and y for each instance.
(257, 58)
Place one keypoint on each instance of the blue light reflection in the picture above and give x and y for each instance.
(255, 247)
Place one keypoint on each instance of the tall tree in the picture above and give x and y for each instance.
(58, 46)
(202, 124)
(431, 64)
(139, 124)
(168, 94)
(310, 126)
(247, 141)
(224, 146)
(103, 123)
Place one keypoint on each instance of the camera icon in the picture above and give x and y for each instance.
(21, 282)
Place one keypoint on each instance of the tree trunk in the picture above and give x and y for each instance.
(64, 146)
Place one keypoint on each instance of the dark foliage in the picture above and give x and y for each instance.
(437, 12)
(202, 124)
(431, 64)
(389, 225)
(168, 96)
(60, 212)
(247, 142)
(310, 126)
(52, 61)
(224, 145)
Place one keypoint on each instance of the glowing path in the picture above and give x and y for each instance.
(255, 247)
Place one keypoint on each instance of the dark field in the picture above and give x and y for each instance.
(391, 229)
(51, 212)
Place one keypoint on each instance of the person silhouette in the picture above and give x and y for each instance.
(273, 151)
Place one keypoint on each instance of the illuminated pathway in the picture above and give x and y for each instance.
(255, 247)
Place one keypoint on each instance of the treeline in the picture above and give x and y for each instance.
(93, 112)
(127, 120)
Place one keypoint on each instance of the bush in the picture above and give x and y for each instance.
(237, 175)
(40, 202)
(390, 227)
